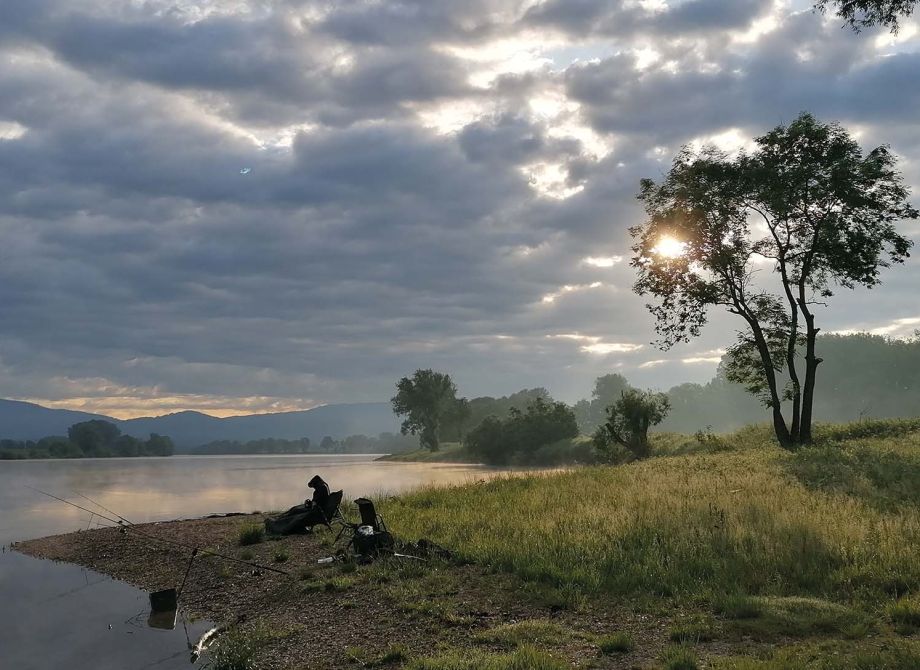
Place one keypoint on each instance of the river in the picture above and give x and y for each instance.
(57, 616)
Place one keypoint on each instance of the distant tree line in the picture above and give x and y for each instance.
(864, 376)
(88, 439)
(384, 443)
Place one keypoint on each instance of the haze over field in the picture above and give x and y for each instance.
(256, 207)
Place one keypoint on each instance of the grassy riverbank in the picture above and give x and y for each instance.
(450, 452)
(718, 552)
(759, 543)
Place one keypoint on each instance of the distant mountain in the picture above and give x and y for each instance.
(27, 421)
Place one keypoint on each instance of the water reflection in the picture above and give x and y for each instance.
(63, 616)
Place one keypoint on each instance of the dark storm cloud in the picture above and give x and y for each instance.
(139, 261)
(623, 19)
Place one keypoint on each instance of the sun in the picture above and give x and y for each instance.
(669, 247)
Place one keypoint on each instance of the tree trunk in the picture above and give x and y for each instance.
(795, 429)
(811, 371)
(811, 367)
(779, 422)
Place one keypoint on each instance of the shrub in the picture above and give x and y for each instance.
(251, 533)
(618, 643)
(281, 556)
(518, 437)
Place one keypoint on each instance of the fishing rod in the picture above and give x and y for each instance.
(102, 507)
(134, 529)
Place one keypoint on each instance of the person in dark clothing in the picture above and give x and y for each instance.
(320, 492)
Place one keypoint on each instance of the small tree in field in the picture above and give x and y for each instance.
(629, 420)
(808, 204)
(426, 399)
(860, 14)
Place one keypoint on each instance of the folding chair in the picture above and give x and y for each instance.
(331, 512)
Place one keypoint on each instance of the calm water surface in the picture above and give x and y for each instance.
(55, 616)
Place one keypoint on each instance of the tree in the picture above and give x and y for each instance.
(456, 418)
(859, 14)
(629, 420)
(94, 437)
(159, 445)
(426, 399)
(593, 413)
(807, 203)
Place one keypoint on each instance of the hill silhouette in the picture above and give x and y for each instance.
(28, 421)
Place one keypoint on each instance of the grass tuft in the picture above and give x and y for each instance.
(679, 658)
(905, 614)
(524, 658)
(536, 633)
(697, 629)
(617, 643)
(250, 533)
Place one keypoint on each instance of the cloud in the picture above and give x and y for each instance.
(431, 184)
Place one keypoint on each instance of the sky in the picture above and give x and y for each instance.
(240, 206)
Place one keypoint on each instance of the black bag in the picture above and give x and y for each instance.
(375, 543)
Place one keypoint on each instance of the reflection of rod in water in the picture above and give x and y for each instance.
(134, 529)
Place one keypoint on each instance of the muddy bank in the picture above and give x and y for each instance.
(334, 616)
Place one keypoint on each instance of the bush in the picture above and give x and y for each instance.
(251, 533)
(518, 438)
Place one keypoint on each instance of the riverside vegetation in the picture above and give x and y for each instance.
(815, 550)
(717, 551)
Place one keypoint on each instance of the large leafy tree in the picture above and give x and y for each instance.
(859, 14)
(427, 400)
(807, 203)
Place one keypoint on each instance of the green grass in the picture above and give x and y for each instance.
(524, 658)
(450, 452)
(617, 643)
(238, 649)
(905, 614)
(696, 629)
(748, 515)
(679, 658)
(282, 556)
(832, 655)
(737, 606)
(250, 533)
(784, 617)
(537, 633)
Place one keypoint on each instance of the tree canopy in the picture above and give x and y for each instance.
(427, 400)
(859, 14)
(808, 204)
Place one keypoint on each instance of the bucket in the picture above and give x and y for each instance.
(164, 601)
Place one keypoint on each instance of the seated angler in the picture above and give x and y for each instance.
(320, 492)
